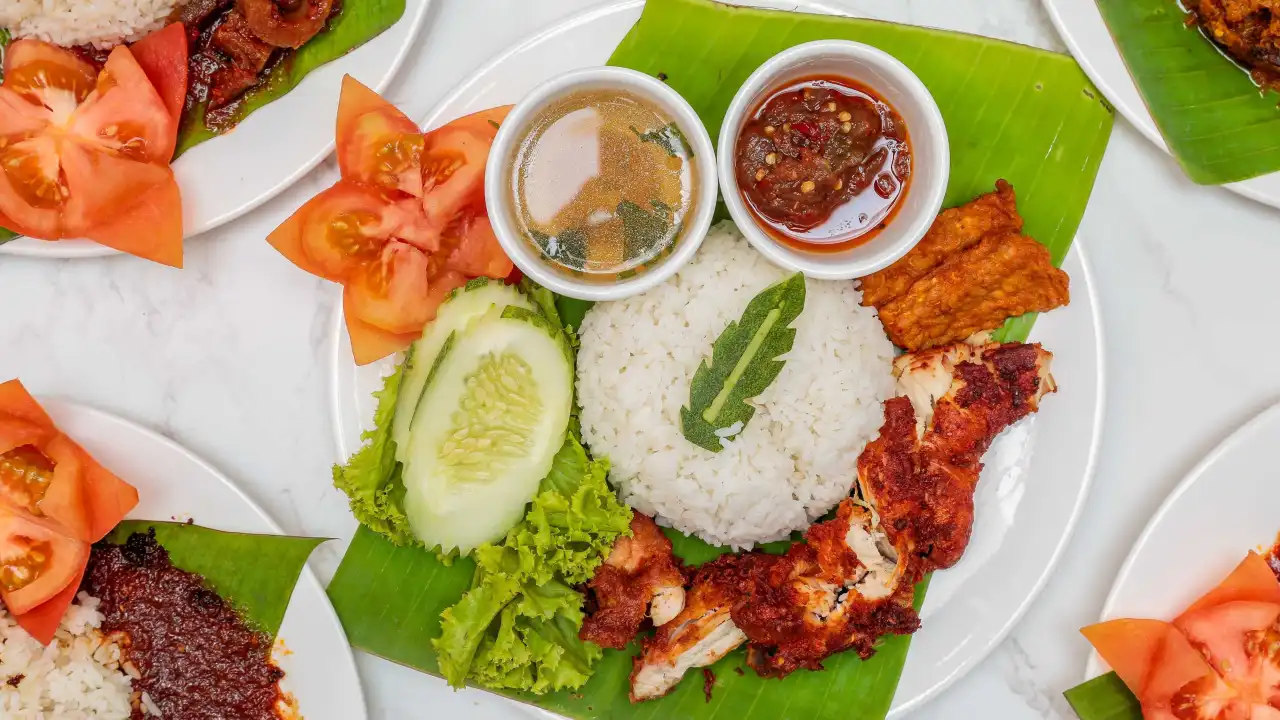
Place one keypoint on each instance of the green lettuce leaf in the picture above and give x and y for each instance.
(1104, 698)
(371, 477)
(517, 627)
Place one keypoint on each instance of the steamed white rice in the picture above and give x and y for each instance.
(798, 455)
(77, 677)
(101, 23)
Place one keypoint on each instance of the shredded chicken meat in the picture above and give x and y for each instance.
(852, 579)
(640, 578)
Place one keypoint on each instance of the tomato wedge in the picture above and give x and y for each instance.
(36, 563)
(50, 480)
(474, 249)
(453, 161)
(42, 621)
(162, 55)
(86, 154)
(377, 144)
(370, 343)
(1218, 660)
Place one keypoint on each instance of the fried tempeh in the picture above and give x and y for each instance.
(955, 230)
(999, 278)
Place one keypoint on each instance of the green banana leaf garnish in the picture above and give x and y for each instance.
(1011, 111)
(256, 574)
(1104, 698)
(742, 365)
(1215, 120)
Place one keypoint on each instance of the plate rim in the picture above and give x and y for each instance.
(1241, 435)
(1140, 118)
(62, 403)
(1099, 416)
(81, 249)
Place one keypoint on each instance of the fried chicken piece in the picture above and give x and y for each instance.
(700, 635)
(1247, 29)
(921, 472)
(955, 230)
(999, 278)
(641, 577)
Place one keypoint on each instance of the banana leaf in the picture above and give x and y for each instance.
(1012, 112)
(1215, 120)
(255, 573)
(5, 235)
(1104, 698)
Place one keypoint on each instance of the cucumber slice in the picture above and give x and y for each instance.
(493, 415)
(464, 305)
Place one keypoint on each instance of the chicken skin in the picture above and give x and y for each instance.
(921, 472)
(640, 578)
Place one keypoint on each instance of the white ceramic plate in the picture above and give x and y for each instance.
(1227, 506)
(228, 176)
(172, 483)
(1081, 26)
(1036, 474)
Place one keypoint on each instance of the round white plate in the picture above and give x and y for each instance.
(1036, 474)
(1080, 24)
(1227, 506)
(172, 484)
(228, 176)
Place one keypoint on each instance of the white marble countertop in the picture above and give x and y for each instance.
(230, 356)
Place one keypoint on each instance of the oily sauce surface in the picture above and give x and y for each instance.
(824, 163)
(197, 657)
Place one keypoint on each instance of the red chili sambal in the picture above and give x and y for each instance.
(824, 163)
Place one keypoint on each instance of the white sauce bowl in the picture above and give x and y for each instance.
(501, 165)
(930, 154)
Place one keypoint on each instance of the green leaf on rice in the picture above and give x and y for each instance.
(1012, 112)
(1217, 123)
(256, 574)
(743, 363)
(357, 23)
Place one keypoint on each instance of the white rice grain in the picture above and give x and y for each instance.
(100, 23)
(795, 459)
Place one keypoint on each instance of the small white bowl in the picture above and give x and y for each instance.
(500, 200)
(930, 153)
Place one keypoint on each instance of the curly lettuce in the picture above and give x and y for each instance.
(371, 477)
(517, 627)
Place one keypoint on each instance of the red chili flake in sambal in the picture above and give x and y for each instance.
(195, 657)
(824, 163)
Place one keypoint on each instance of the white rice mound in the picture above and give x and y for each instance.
(101, 23)
(77, 677)
(797, 456)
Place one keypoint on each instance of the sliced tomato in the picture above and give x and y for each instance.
(16, 402)
(486, 122)
(370, 343)
(1154, 660)
(393, 293)
(453, 161)
(42, 621)
(110, 497)
(79, 152)
(377, 144)
(474, 249)
(150, 227)
(1252, 580)
(36, 563)
(162, 55)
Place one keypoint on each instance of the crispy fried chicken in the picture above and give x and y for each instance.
(640, 578)
(1249, 30)
(921, 472)
(852, 579)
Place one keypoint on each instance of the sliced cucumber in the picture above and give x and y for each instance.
(492, 416)
(465, 304)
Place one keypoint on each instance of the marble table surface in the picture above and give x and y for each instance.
(230, 356)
